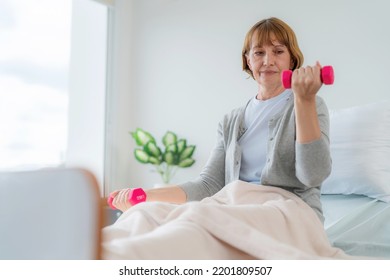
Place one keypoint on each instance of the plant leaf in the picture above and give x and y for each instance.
(169, 158)
(186, 162)
(187, 153)
(172, 148)
(142, 137)
(152, 149)
(154, 160)
(169, 138)
(181, 145)
(141, 156)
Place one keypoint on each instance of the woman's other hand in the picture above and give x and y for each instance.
(121, 199)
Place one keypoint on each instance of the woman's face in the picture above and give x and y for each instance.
(267, 63)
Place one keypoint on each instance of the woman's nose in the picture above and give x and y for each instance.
(269, 59)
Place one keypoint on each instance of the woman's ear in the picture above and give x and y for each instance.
(248, 62)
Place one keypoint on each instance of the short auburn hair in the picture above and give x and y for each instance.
(263, 32)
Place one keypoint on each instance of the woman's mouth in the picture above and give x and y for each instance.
(268, 72)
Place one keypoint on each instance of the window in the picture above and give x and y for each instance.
(34, 60)
(53, 58)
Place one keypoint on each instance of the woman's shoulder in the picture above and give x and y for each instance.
(234, 114)
(231, 123)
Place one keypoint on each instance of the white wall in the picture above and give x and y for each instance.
(177, 65)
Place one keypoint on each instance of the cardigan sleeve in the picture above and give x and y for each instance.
(212, 177)
(313, 160)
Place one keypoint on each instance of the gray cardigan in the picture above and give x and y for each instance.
(298, 168)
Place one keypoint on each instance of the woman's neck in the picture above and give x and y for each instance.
(267, 93)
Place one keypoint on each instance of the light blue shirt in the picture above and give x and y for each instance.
(254, 142)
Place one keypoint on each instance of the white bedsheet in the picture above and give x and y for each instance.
(358, 224)
(242, 221)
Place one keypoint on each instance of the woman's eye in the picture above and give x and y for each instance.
(279, 51)
(259, 53)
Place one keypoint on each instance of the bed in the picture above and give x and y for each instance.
(356, 196)
(244, 221)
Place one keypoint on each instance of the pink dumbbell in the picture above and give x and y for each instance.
(327, 76)
(136, 196)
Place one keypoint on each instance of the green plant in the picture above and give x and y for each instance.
(176, 152)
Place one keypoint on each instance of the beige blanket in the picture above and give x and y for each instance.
(242, 221)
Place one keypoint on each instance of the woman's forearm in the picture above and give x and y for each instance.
(172, 194)
(307, 124)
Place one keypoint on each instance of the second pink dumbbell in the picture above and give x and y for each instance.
(136, 196)
(327, 76)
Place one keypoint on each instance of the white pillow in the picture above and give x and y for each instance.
(360, 150)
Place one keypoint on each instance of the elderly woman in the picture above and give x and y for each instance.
(258, 197)
(279, 138)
